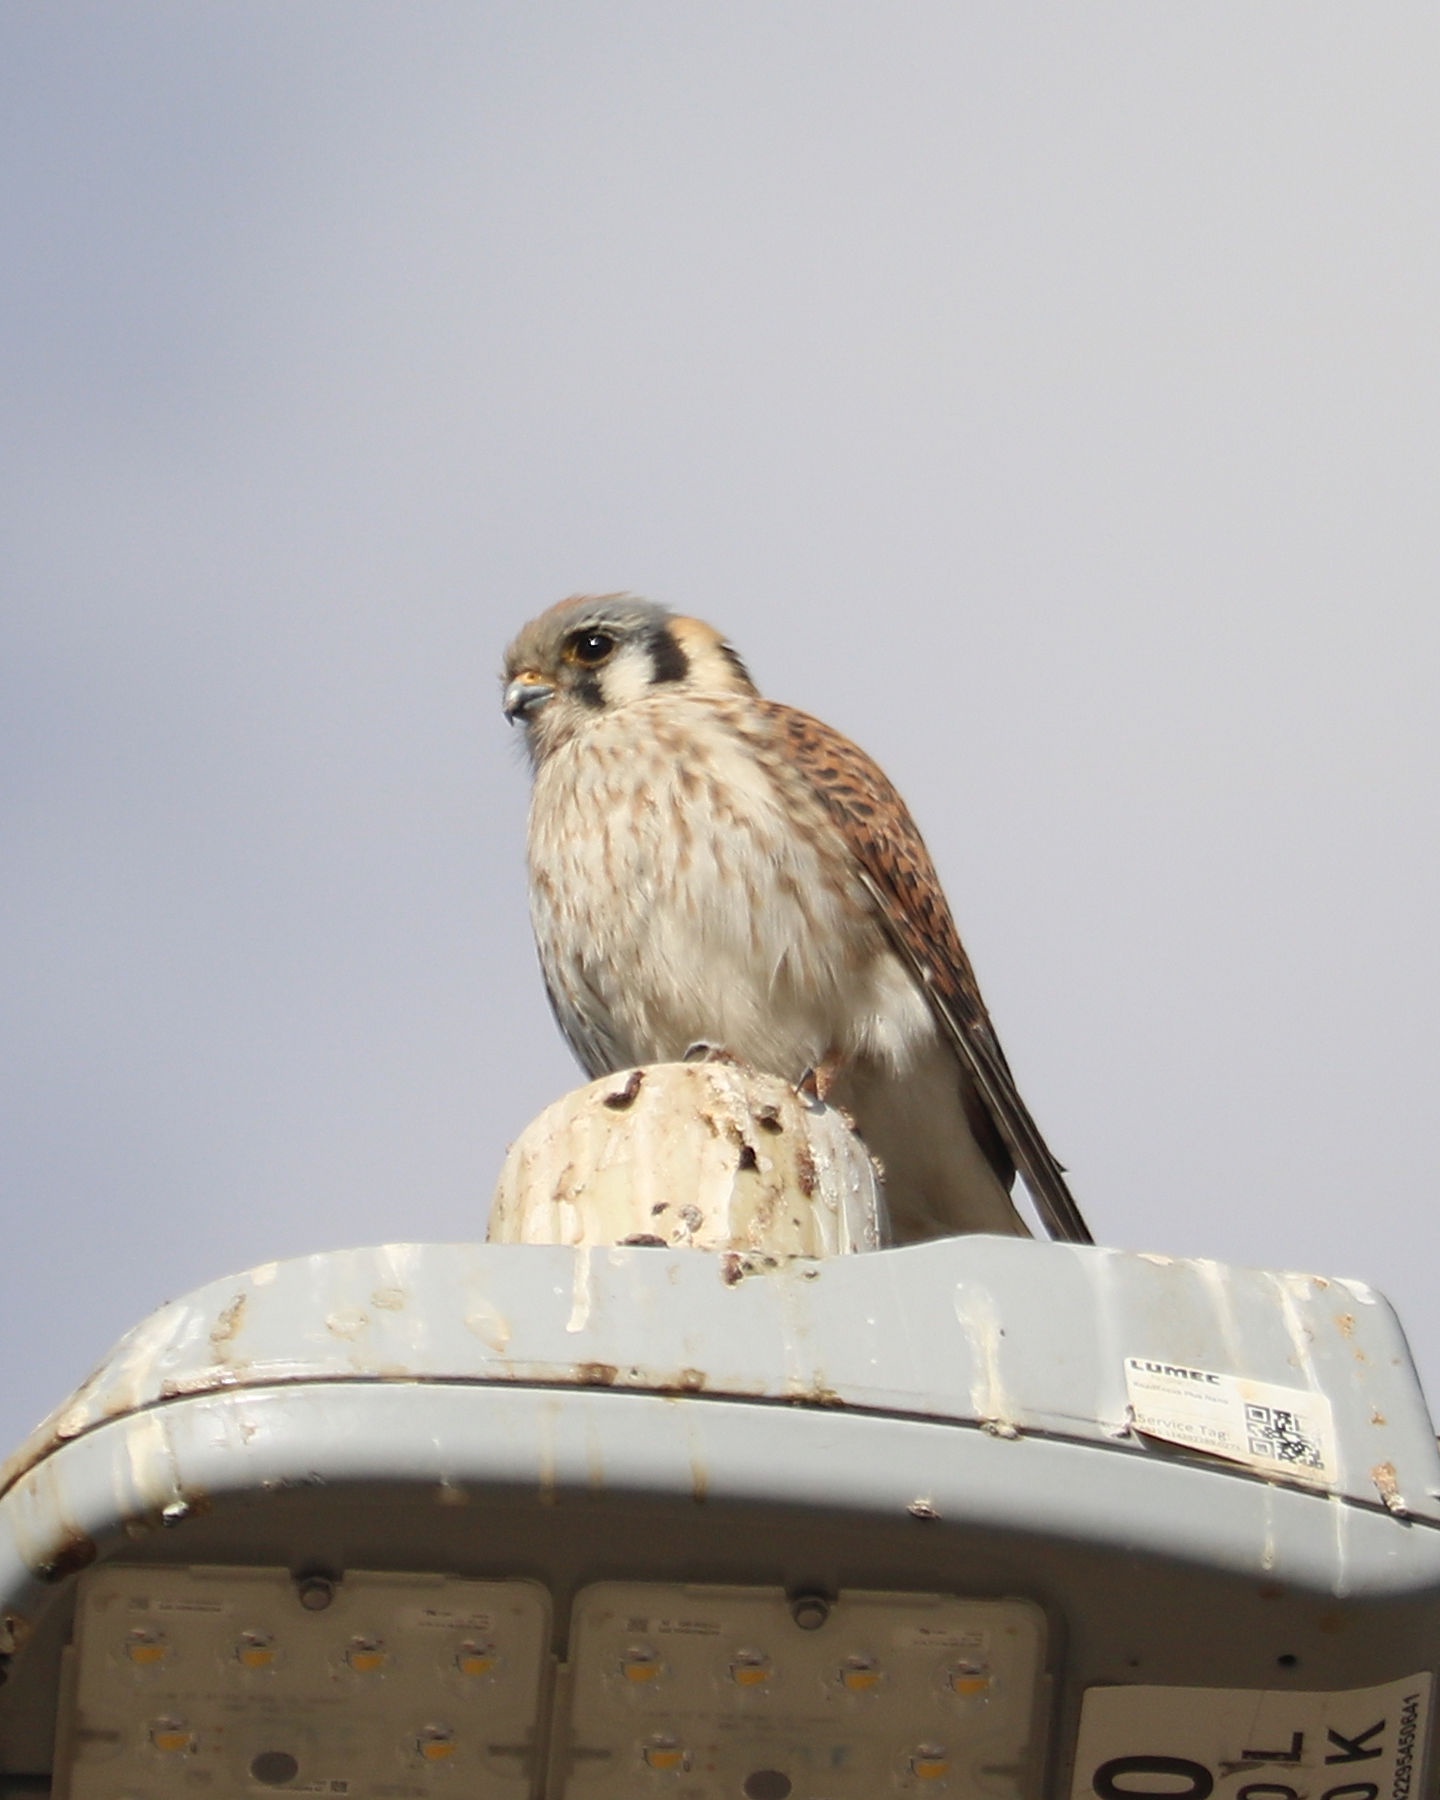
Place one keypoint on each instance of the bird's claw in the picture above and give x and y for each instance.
(817, 1084)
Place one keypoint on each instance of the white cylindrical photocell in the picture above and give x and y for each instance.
(712, 1155)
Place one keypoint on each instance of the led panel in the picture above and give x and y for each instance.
(726, 1693)
(220, 1682)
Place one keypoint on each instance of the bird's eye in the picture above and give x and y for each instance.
(590, 648)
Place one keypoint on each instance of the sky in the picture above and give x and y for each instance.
(1046, 396)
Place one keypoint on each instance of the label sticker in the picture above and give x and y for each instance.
(931, 1637)
(1277, 1430)
(446, 1618)
(1163, 1743)
(687, 1627)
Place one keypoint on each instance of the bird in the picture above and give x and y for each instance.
(713, 872)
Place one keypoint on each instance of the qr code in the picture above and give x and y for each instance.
(1281, 1435)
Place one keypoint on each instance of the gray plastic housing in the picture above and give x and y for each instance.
(947, 1418)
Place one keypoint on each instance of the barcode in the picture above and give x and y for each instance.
(1282, 1436)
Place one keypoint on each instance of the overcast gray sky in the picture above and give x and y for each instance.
(1048, 396)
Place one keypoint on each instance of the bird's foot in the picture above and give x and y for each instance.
(702, 1052)
(817, 1084)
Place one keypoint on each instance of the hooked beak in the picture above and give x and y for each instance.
(526, 694)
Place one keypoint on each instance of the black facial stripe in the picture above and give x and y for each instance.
(732, 656)
(587, 688)
(667, 659)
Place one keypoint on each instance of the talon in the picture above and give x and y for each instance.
(817, 1084)
(701, 1051)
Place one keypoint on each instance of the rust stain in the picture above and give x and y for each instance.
(624, 1098)
(597, 1374)
(805, 1171)
(74, 1552)
(489, 1325)
(735, 1265)
(227, 1326)
(816, 1393)
(1377, 1417)
(1346, 1322)
(1387, 1485)
(692, 1381)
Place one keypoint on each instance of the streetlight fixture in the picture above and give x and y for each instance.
(978, 1517)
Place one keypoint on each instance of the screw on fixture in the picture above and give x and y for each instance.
(809, 1611)
(315, 1592)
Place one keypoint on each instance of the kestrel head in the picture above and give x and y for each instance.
(596, 652)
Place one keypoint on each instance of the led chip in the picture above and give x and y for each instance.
(750, 1668)
(172, 1737)
(477, 1660)
(665, 1753)
(860, 1674)
(146, 1648)
(255, 1650)
(971, 1681)
(435, 1743)
(930, 1762)
(640, 1664)
(366, 1655)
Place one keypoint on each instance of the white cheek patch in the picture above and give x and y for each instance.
(628, 676)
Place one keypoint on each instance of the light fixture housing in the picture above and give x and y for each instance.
(770, 1449)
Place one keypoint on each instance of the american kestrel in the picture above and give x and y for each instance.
(708, 867)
